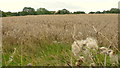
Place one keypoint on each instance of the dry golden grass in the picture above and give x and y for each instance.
(59, 27)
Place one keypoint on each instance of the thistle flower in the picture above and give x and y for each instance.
(103, 50)
(77, 47)
(84, 47)
(91, 43)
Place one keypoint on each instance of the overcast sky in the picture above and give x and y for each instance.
(71, 5)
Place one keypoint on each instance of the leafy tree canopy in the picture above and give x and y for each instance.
(42, 11)
(28, 11)
(63, 11)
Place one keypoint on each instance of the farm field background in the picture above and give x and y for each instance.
(45, 40)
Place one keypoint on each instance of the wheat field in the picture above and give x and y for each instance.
(45, 40)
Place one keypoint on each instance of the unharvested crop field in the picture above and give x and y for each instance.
(46, 39)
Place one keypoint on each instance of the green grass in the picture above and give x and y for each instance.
(57, 54)
(45, 54)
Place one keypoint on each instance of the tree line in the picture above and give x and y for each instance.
(41, 11)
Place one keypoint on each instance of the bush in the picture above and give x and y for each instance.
(79, 12)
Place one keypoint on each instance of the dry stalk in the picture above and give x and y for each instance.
(73, 36)
(80, 33)
(11, 57)
(74, 32)
(105, 60)
(104, 27)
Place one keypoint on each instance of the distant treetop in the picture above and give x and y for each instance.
(41, 11)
